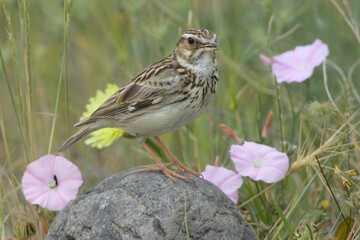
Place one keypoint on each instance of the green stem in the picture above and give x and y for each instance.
(347, 20)
(2, 229)
(284, 220)
(14, 106)
(66, 31)
(259, 209)
(279, 115)
(56, 106)
(292, 112)
(28, 78)
(309, 229)
(27, 37)
(332, 193)
(13, 50)
(262, 196)
(186, 225)
(259, 118)
(6, 147)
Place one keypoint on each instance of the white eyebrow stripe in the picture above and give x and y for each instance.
(202, 40)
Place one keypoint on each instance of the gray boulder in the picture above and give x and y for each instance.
(148, 205)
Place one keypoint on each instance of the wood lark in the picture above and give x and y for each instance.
(165, 96)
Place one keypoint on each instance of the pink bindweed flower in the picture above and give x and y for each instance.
(265, 59)
(51, 181)
(267, 126)
(217, 161)
(297, 65)
(228, 181)
(229, 132)
(259, 162)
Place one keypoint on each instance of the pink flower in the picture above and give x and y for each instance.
(297, 65)
(51, 181)
(229, 132)
(217, 161)
(259, 162)
(228, 181)
(267, 126)
(265, 59)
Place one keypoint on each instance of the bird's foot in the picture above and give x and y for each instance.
(183, 168)
(170, 174)
(175, 162)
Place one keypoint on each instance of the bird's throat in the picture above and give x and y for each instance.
(203, 66)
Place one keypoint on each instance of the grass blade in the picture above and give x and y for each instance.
(13, 49)
(29, 99)
(56, 106)
(281, 129)
(67, 9)
(285, 221)
(14, 106)
(186, 225)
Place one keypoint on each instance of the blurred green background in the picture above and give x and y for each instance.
(111, 41)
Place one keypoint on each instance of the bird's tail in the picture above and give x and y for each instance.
(76, 137)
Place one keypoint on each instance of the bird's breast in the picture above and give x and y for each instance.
(190, 103)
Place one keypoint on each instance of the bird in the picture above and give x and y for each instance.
(165, 96)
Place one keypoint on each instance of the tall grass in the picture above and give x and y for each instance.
(53, 63)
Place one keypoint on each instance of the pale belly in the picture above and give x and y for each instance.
(166, 119)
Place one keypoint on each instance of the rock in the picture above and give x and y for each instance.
(148, 205)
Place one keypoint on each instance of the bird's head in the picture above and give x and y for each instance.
(195, 44)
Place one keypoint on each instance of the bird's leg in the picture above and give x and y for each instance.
(161, 166)
(154, 167)
(175, 161)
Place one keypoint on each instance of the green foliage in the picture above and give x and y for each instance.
(110, 41)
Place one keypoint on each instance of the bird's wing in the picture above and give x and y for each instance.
(149, 90)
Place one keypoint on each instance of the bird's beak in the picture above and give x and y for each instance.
(211, 45)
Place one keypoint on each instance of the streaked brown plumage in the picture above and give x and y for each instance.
(163, 97)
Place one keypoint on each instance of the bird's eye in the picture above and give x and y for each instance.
(191, 40)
